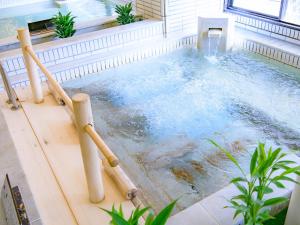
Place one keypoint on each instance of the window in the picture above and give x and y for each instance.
(287, 11)
(292, 14)
(268, 7)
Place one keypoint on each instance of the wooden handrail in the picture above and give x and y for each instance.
(104, 149)
(85, 129)
(67, 100)
(125, 185)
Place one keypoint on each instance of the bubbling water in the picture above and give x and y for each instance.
(158, 114)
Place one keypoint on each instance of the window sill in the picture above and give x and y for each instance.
(267, 19)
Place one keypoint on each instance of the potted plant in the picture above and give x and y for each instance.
(64, 25)
(162, 217)
(125, 15)
(267, 167)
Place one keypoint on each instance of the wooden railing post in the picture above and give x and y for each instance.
(91, 161)
(32, 70)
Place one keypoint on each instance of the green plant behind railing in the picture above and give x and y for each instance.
(118, 217)
(125, 15)
(64, 25)
(267, 167)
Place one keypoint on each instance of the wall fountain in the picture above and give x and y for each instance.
(215, 33)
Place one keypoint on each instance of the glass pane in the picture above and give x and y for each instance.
(293, 12)
(268, 7)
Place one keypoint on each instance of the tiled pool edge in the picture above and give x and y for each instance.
(77, 48)
(269, 47)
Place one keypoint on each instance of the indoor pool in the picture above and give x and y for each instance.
(84, 10)
(157, 116)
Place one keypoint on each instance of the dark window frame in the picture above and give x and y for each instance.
(228, 7)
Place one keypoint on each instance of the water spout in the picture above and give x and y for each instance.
(214, 33)
(219, 29)
(214, 39)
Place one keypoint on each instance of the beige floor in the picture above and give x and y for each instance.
(47, 145)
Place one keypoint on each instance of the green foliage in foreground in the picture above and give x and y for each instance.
(267, 167)
(125, 15)
(279, 218)
(64, 25)
(118, 218)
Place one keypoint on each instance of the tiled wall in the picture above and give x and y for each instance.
(95, 46)
(150, 8)
(106, 61)
(126, 57)
(178, 15)
(181, 15)
(269, 29)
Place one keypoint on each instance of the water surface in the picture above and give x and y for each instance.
(19, 16)
(157, 115)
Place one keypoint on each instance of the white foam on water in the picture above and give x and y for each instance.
(187, 95)
(174, 103)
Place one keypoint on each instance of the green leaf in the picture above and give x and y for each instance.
(274, 201)
(137, 214)
(116, 218)
(285, 162)
(262, 153)
(238, 179)
(253, 162)
(265, 189)
(278, 184)
(228, 154)
(274, 155)
(164, 215)
(264, 216)
(64, 25)
(149, 218)
(121, 211)
(237, 212)
(240, 197)
(291, 170)
(241, 188)
(268, 190)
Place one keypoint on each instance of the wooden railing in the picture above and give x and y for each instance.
(90, 140)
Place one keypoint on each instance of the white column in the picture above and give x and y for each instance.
(293, 214)
(31, 67)
(91, 161)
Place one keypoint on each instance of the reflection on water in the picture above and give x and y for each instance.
(84, 10)
(158, 114)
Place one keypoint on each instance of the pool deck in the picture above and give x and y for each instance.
(47, 145)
